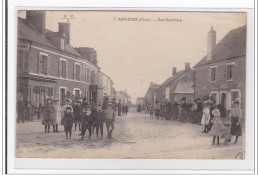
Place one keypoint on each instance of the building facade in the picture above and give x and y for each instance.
(180, 84)
(150, 96)
(47, 65)
(224, 67)
(124, 97)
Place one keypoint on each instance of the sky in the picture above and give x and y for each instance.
(135, 53)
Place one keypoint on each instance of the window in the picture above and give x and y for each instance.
(62, 44)
(44, 64)
(87, 75)
(50, 92)
(20, 58)
(77, 72)
(213, 74)
(63, 68)
(230, 72)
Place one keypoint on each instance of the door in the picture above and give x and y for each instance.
(62, 96)
(223, 99)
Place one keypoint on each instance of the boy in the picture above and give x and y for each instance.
(87, 119)
(68, 121)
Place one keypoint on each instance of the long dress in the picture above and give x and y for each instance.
(235, 114)
(48, 114)
(206, 116)
(216, 129)
(57, 114)
(182, 113)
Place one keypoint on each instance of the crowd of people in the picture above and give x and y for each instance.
(214, 118)
(83, 115)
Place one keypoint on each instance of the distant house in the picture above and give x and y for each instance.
(124, 97)
(140, 101)
(222, 72)
(150, 96)
(179, 85)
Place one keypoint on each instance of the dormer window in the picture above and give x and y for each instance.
(62, 44)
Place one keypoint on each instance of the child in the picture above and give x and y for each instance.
(216, 130)
(226, 135)
(68, 122)
(77, 114)
(206, 116)
(48, 115)
(86, 121)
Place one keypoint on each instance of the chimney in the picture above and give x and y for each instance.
(187, 67)
(211, 43)
(174, 71)
(187, 71)
(37, 19)
(64, 30)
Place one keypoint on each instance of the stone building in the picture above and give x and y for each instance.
(150, 96)
(47, 65)
(179, 85)
(124, 97)
(222, 72)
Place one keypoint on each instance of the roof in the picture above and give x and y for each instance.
(184, 88)
(125, 94)
(231, 46)
(171, 79)
(27, 31)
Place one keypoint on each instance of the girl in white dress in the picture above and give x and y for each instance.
(206, 116)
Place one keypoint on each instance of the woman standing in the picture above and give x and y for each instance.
(48, 114)
(57, 114)
(182, 110)
(236, 116)
(206, 116)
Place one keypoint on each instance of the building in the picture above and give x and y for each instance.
(221, 74)
(150, 96)
(47, 65)
(124, 97)
(140, 101)
(180, 84)
(107, 85)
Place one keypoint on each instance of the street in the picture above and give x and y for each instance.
(136, 136)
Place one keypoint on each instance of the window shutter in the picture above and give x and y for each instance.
(60, 65)
(40, 64)
(67, 67)
(48, 65)
(26, 61)
(209, 75)
(74, 71)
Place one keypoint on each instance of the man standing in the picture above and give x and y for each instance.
(109, 115)
(99, 120)
(20, 109)
(114, 104)
(119, 108)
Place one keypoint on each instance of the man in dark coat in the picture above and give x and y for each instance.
(114, 104)
(20, 110)
(168, 110)
(105, 103)
(199, 110)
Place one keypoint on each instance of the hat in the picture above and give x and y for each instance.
(68, 107)
(216, 112)
(237, 100)
(183, 98)
(207, 102)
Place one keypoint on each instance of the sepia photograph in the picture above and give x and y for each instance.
(94, 84)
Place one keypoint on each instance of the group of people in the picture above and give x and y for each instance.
(80, 113)
(212, 117)
(27, 111)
